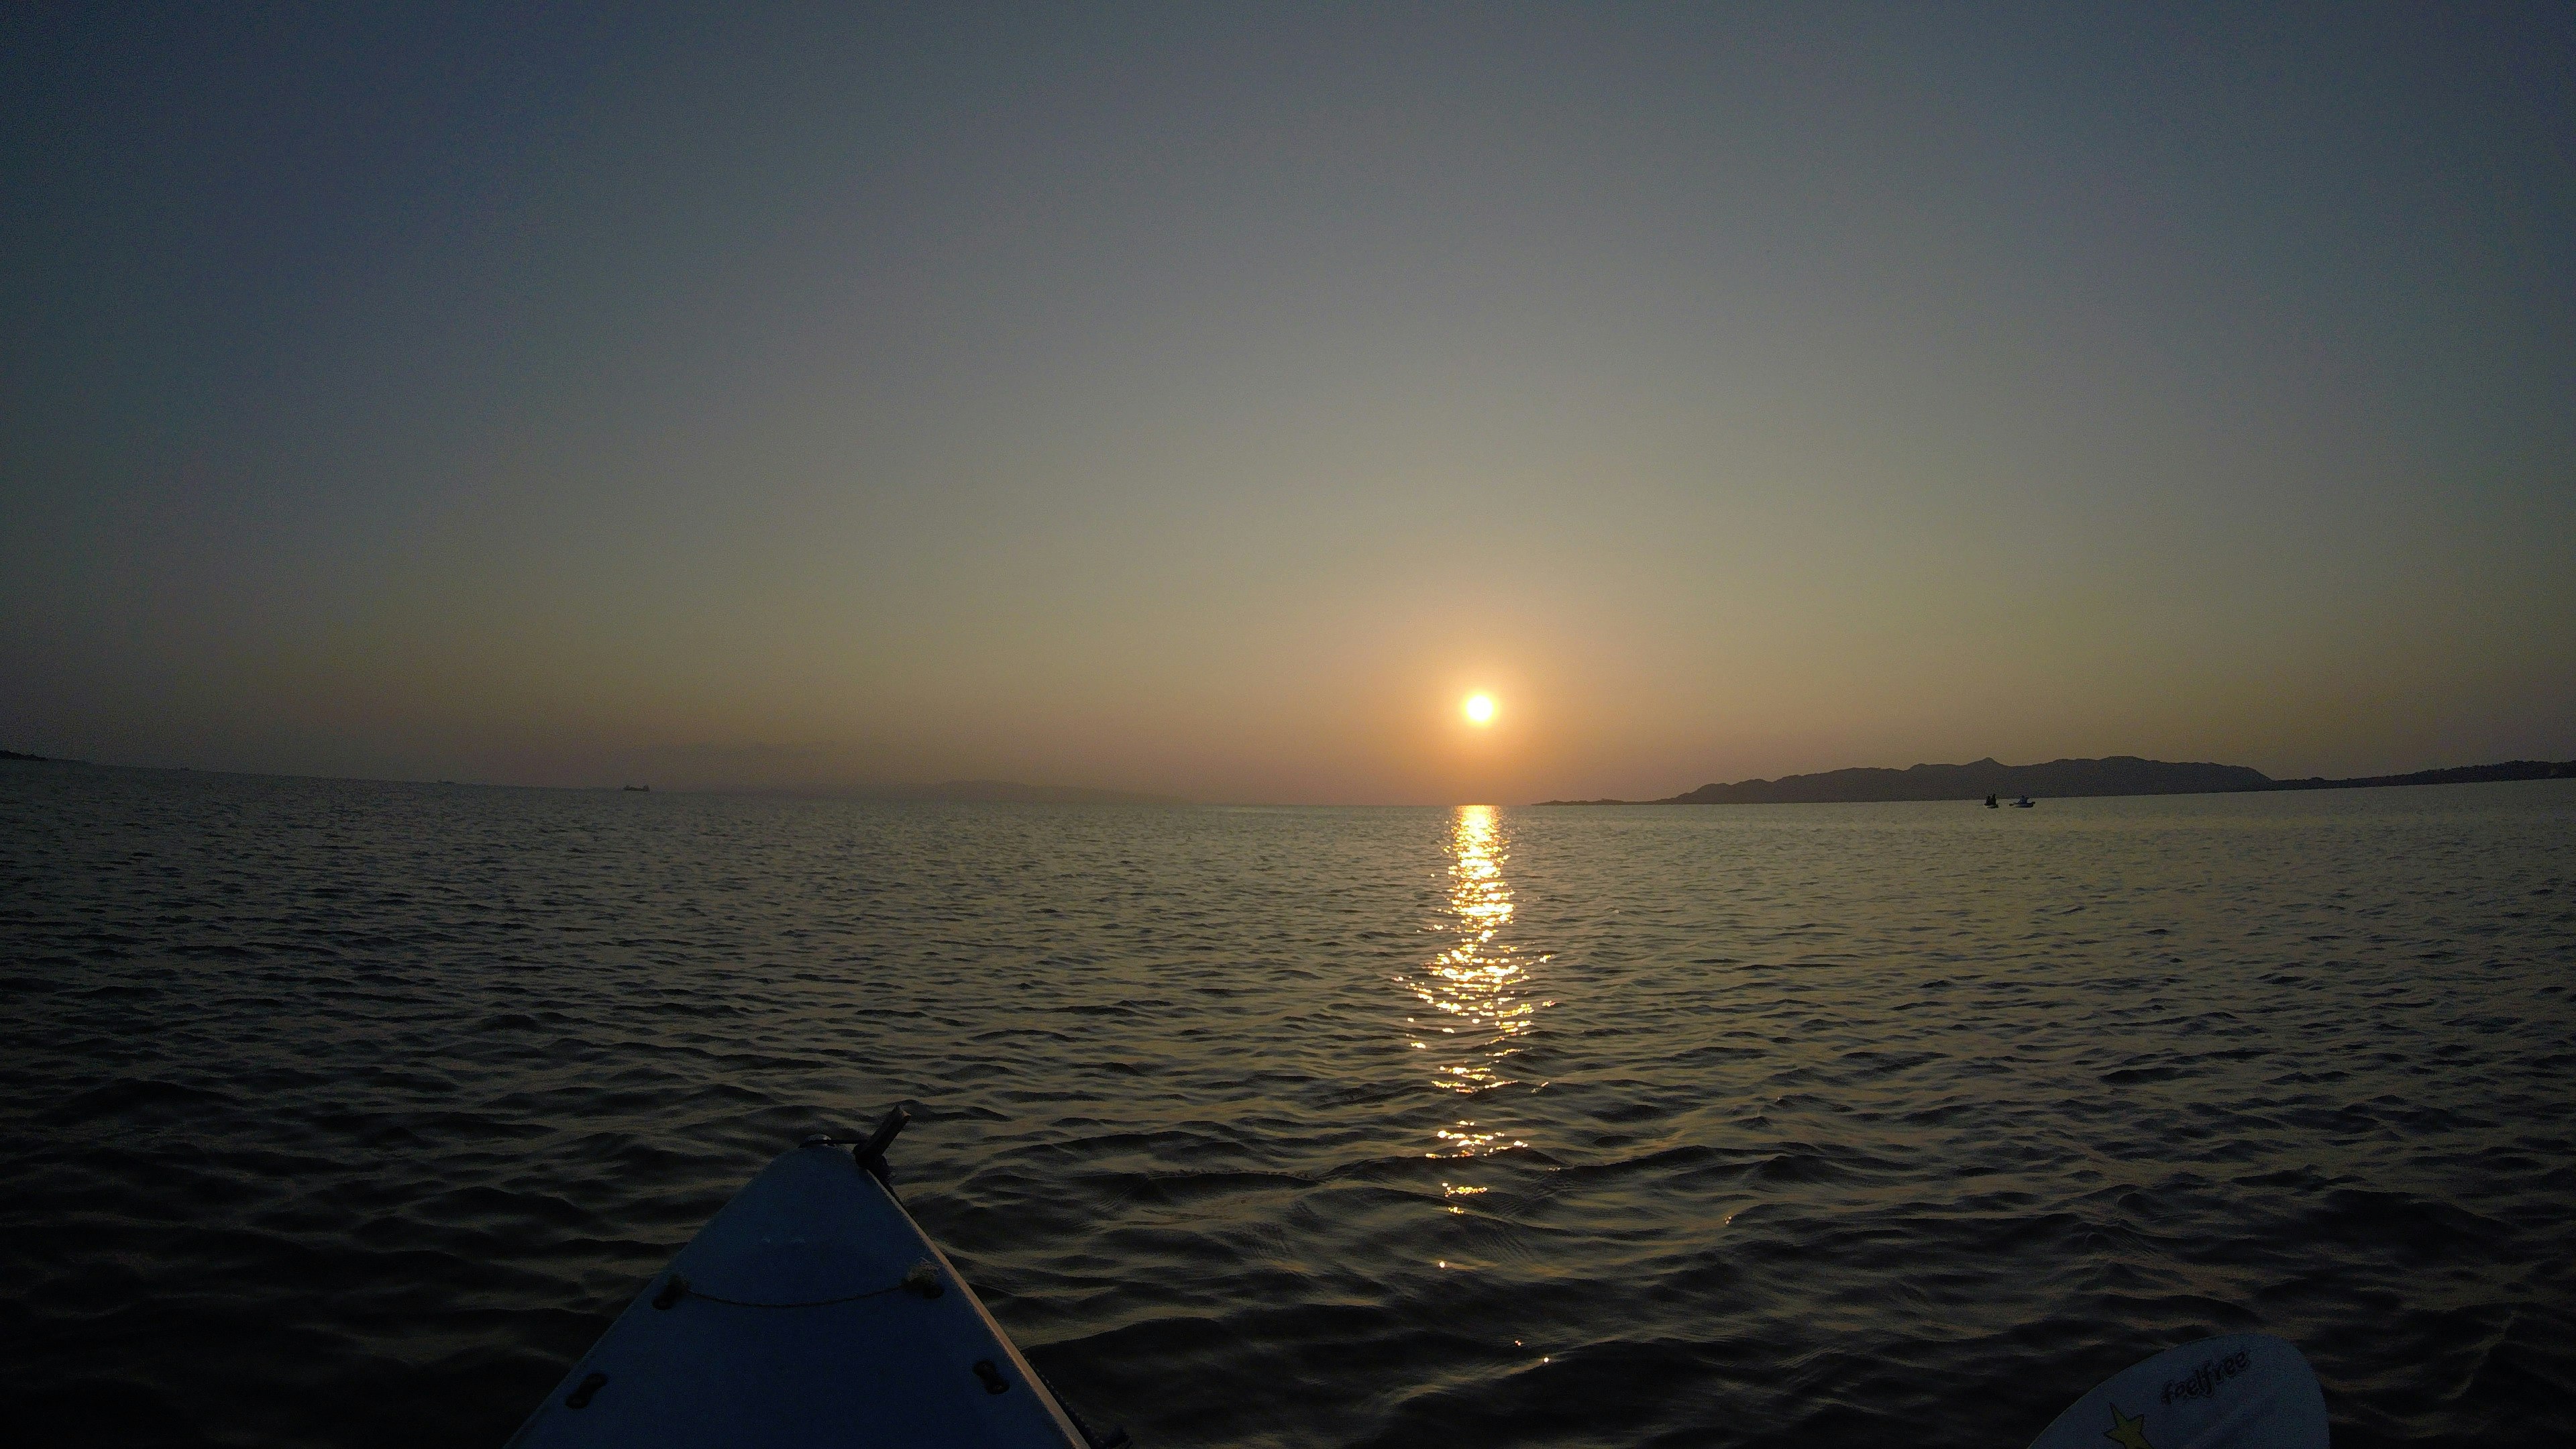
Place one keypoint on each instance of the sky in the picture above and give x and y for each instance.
(1205, 400)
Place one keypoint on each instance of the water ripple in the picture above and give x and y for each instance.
(337, 1113)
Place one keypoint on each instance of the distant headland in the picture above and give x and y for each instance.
(2063, 779)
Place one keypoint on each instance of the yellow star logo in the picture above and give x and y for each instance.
(2129, 1430)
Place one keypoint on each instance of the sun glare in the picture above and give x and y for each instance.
(1480, 709)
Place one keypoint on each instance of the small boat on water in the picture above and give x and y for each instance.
(814, 1311)
(2024, 803)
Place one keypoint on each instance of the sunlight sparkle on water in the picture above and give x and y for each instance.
(1477, 984)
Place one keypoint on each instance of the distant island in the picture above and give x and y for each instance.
(2063, 779)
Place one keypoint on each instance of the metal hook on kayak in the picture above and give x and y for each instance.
(870, 1155)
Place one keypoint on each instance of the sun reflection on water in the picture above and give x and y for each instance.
(1475, 992)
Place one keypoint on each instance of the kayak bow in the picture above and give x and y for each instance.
(813, 1311)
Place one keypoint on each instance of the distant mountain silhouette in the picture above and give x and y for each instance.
(2063, 779)
(2118, 775)
(2458, 775)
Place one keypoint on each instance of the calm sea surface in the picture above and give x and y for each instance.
(348, 1114)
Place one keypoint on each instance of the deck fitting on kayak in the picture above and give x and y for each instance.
(994, 1383)
(871, 1154)
(674, 1288)
(579, 1398)
(924, 1279)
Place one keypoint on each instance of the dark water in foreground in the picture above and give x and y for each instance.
(337, 1113)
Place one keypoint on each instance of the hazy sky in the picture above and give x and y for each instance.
(1206, 399)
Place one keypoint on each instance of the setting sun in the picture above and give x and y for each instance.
(1480, 709)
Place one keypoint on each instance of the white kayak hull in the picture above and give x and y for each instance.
(811, 1311)
(2239, 1391)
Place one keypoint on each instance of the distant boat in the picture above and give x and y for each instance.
(644, 788)
(2022, 804)
(1990, 803)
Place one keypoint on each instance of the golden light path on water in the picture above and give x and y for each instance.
(1475, 994)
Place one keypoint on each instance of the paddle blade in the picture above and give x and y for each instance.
(2238, 1391)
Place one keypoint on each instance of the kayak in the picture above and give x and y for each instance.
(2237, 1391)
(813, 1311)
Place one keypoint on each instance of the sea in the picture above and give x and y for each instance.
(346, 1113)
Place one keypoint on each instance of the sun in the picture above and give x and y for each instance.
(1480, 709)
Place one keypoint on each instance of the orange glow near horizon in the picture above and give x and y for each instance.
(1480, 709)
